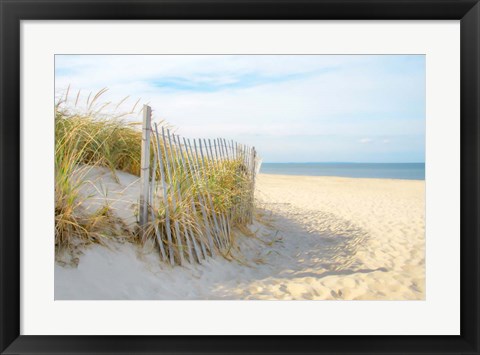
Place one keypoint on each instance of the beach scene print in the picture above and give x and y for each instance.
(240, 177)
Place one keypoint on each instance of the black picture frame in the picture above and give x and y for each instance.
(14, 11)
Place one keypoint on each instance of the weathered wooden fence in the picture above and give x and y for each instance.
(193, 193)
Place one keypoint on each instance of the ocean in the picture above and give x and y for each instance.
(407, 171)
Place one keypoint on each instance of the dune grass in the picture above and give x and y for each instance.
(194, 202)
(198, 202)
(84, 139)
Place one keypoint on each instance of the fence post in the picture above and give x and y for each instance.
(145, 167)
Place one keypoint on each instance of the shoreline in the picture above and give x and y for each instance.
(395, 171)
(337, 177)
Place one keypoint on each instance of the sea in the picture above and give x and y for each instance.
(406, 171)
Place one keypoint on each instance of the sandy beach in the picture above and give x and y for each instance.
(351, 238)
(314, 238)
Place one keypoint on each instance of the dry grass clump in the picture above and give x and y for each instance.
(71, 222)
(84, 141)
(100, 139)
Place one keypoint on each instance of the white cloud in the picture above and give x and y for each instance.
(365, 140)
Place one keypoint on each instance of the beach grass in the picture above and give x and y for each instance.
(84, 141)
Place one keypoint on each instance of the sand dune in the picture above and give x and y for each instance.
(315, 238)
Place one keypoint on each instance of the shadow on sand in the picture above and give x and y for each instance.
(301, 248)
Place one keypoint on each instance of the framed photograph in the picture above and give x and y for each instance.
(239, 177)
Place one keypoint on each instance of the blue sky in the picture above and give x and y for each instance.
(310, 108)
